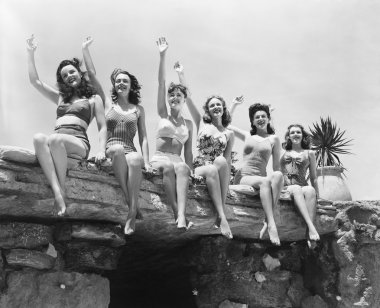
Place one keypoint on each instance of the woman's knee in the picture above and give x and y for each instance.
(220, 162)
(167, 168)
(265, 183)
(55, 140)
(297, 190)
(40, 139)
(277, 176)
(309, 192)
(134, 159)
(115, 150)
(182, 169)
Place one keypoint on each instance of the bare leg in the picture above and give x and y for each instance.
(134, 162)
(224, 176)
(277, 183)
(120, 168)
(41, 146)
(169, 181)
(182, 172)
(266, 198)
(213, 185)
(311, 203)
(52, 153)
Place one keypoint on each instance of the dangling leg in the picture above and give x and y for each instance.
(169, 181)
(311, 204)
(45, 159)
(213, 185)
(224, 176)
(134, 162)
(265, 186)
(182, 172)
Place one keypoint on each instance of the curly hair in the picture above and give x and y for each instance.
(259, 107)
(85, 89)
(226, 117)
(305, 142)
(174, 86)
(134, 96)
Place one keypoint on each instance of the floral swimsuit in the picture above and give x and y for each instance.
(210, 147)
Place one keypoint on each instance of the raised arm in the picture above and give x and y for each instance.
(195, 114)
(48, 91)
(91, 69)
(161, 98)
(188, 148)
(313, 171)
(143, 139)
(240, 133)
(276, 153)
(228, 150)
(238, 100)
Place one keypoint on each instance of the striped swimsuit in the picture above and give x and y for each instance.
(121, 129)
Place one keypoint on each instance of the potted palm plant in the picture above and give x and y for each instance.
(329, 142)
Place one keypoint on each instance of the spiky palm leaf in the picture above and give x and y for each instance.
(329, 143)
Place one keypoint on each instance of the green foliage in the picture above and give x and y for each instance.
(329, 142)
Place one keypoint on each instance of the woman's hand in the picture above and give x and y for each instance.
(100, 157)
(238, 100)
(178, 67)
(196, 179)
(149, 170)
(87, 42)
(31, 45)
(162, 45)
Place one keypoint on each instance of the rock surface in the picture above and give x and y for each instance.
(31, 288)
(43, 254)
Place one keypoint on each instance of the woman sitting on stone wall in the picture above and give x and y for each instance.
(260, 144)
(77, 105)
(214, 144)
(295, 161)
(174, 133)
(124, 118)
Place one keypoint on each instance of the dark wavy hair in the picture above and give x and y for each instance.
(305, 142)
(85, 89)
(134, 96)
(259, 107)
(176, 86)
(226, 117)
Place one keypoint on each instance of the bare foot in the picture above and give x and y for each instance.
(59, 202)
(273, 235)
(217, 222)
(181, 222)
(131, 221)
(225, 228)
(312, 237)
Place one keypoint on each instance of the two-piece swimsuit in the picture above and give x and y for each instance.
(80, 108)
(166, 129)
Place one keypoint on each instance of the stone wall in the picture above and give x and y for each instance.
(68, 257)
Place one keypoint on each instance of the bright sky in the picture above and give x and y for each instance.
(306, 58)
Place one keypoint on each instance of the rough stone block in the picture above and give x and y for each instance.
(29, 288)
(24, 235)
(30, 258)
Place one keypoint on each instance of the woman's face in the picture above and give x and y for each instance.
(176, 99)
(295, 135)
(215, 107)
(122, 84)
(260, 120)
(70, 76)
